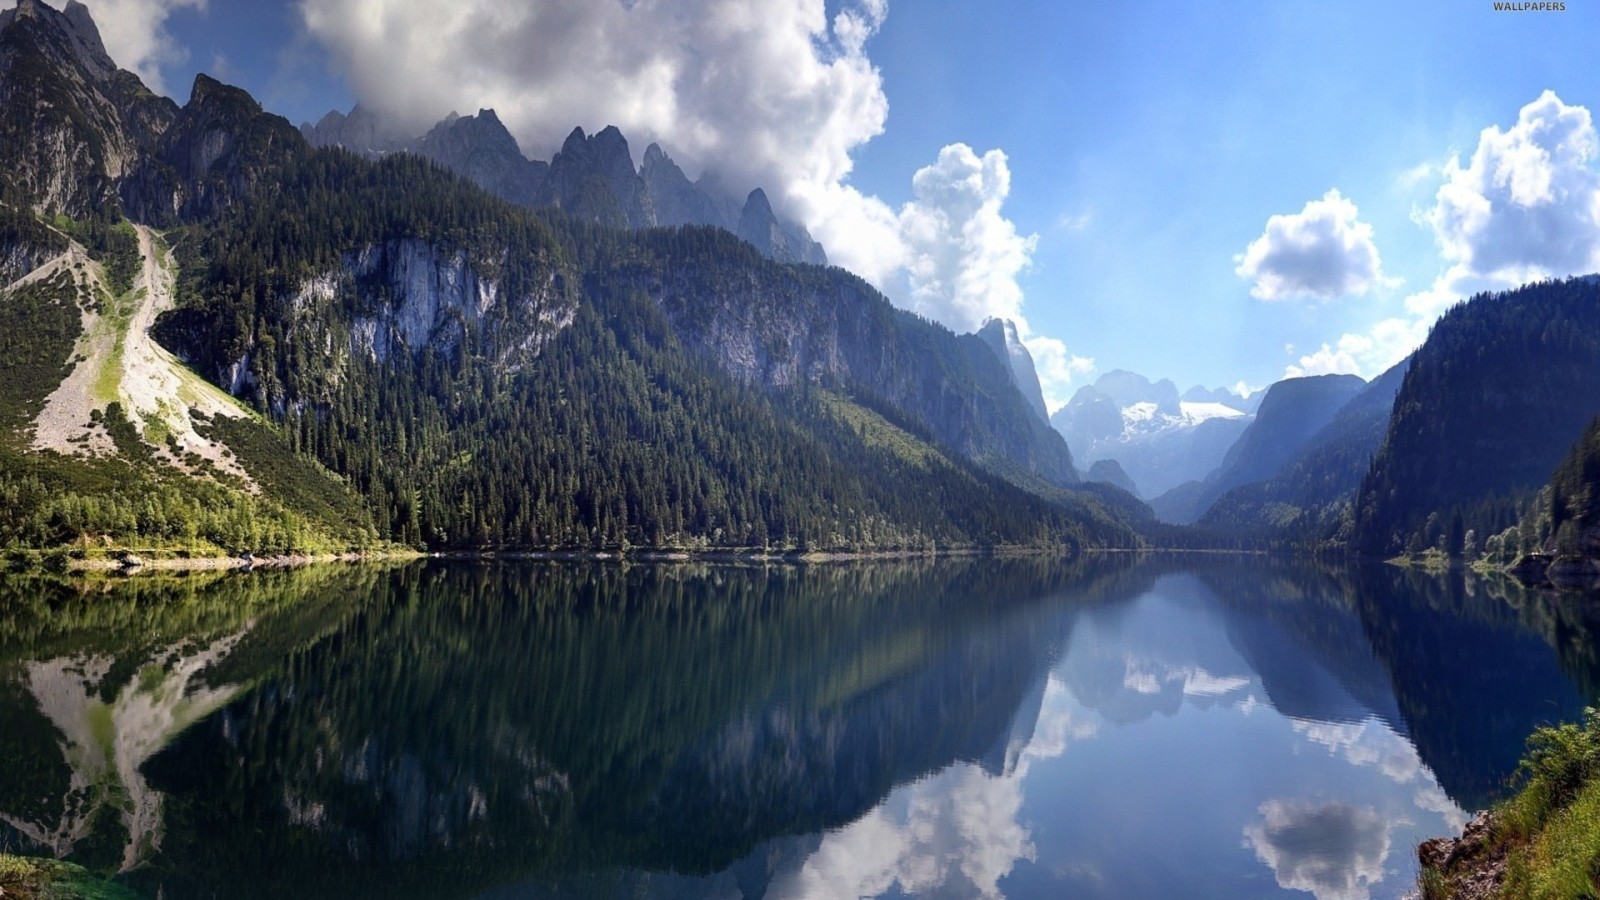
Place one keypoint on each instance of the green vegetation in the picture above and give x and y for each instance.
(572, 413)
(1491, 403)
(1544, 842)
(24, 878)
(51, 501)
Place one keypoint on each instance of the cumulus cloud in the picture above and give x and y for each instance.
(1324, 251)
(767, 93)
(1333, 851)
(1366, 354)
(1058, 368)
(136, 36)
(1526, 206)
(963, 257)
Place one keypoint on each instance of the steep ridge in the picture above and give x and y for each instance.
(1291, 414)
(1494, 399)
(72, 125)
(1312, 495)
(591, 177)
(1001, 336)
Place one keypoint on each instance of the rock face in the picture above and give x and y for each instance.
(591, 177)
(1001, 336)
(214, 153)
(1159, 439)
(482, 150)
(1473, 865)
(784, 326)
(73, 125)
(359, 132)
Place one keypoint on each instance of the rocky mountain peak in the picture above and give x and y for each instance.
(208, 91)
(1002, 337)
(73, 27)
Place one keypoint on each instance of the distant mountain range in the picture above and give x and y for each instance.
(591, 177)
(1159, 439)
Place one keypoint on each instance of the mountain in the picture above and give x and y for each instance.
(1159, 439)
(1108, 471)
(1290, 415)
(591, 177)
(1494, 400)
(322, 350)
(481, 149)
(73, 126)
(1311, 496)
(1001, 336)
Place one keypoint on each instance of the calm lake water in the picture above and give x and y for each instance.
(1109, 728)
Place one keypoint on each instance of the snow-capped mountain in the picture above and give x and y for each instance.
(1159, 438)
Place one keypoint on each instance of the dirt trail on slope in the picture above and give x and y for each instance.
(120, 361)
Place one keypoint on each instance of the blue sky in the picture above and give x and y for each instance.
(1145, 146)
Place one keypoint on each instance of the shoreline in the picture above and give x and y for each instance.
(134, 562)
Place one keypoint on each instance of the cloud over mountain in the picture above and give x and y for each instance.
(136, 36)
(1324, 251)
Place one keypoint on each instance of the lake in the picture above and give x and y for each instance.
(1104, 728)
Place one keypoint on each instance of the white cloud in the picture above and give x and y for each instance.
(1368, 355)
(135, 34)
(964, 257)
(1324, 251)
(1526, 206)
(1057, 367)
(955, 833)
(1333, 850)
(766, 93)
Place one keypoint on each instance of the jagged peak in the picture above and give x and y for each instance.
(488, 115)
(74, 22)
(576, 141)
(209, 91)
(654, 155)
(757, 203)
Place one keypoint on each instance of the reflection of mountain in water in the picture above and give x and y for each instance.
(1438, 660)
(1472, 681)
(445, 729)
(97, 678)
(476, 724)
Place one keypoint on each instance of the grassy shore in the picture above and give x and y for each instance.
(25, 878)
(1544, 842)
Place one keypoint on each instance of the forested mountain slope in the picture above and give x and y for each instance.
(1493, 401)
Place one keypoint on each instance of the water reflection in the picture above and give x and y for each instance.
(964, 728)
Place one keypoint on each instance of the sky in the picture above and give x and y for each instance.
(1223, 195)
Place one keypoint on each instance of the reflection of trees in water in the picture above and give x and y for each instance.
(453, 725)
(1472, 679)
(97, 676)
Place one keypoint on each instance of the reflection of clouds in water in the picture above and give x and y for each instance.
(954, 834)
(1332, 850)
(1366, 744)
(1432, 798)
(1149, 677)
